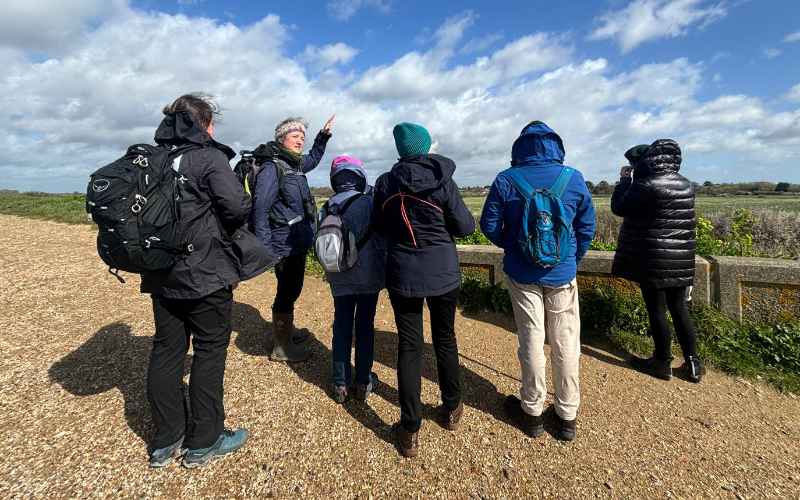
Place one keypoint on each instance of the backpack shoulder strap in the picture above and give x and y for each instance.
(519, 182)
(560, 185)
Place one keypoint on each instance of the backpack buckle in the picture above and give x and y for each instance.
(142, 161)
(140, 202)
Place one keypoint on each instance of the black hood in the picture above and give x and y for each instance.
(663, 156)
(272, 150)
(179, 128)
(423, 172)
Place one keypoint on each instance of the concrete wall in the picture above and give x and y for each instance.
(759, 289)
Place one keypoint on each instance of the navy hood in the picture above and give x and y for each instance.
(349, 178)
(537, 144)
(423, 172)
(179, 128)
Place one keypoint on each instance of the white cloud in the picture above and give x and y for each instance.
(794, 93)
(481, 44)
(419, 75)
(792, 37)
(345, 9)
(83, 107)
(51, 24)
(645, 20)
(329, 55)
(772, 53)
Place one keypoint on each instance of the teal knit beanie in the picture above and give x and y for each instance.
(411, 139)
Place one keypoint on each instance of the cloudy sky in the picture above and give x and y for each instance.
(81, 79)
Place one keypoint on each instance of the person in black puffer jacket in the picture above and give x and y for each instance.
(419, 210)
(656, 248)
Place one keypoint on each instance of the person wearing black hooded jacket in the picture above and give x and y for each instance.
(193, 300)
(656, 248)
(419, 210)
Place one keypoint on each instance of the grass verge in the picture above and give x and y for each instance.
(759, 351)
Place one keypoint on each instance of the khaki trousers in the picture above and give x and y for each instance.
(542, 312)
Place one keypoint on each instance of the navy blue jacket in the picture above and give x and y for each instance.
(422, 259)
(273, 208)
(539, 152)
(369, 273)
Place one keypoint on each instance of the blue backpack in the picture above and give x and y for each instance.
(545, 236)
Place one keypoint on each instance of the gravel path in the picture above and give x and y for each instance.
(74, 418)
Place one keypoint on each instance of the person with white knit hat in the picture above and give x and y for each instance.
(283, 217)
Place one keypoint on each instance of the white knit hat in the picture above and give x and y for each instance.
(292, 124)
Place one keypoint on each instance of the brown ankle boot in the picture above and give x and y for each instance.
(407, 442)
(452, 419)
(283, 348)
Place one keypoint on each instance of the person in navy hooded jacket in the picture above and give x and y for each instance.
(355, 290)
(283, 219)
(545, 300)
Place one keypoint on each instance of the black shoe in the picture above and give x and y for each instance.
(658, 368)
(531, 425)
(566, 430)
(694, 369)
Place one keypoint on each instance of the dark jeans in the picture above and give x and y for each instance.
(658, 301)
(350, 309)
(290, 272)
(207, 321)
(408, 317)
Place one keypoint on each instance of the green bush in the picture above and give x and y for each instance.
(738, 242)
(768, 351)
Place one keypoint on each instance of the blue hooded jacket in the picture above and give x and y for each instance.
(539, 152)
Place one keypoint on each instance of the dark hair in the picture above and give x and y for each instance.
(201, 107)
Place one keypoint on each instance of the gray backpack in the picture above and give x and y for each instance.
(335, 245)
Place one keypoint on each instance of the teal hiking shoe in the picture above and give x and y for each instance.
(161, 457)
(228, 442)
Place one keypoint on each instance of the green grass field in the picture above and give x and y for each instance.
(70, 207)
(705, 204)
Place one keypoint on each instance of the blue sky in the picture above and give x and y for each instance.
(85, 78)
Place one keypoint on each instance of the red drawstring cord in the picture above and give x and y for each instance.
(404, 213)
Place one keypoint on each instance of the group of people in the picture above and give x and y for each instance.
(405, 227)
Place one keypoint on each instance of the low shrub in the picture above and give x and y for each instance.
(757, 351)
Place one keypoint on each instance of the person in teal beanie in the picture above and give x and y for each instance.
(419, 210)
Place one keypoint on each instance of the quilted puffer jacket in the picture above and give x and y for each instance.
(656, 245)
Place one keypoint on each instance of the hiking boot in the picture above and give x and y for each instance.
(566, 430)
(694, 369)
(531, 425)
(362, 391)
(339, 393)
(161, 457)
(284, 349)
(658, 368)
(407, 442)
(228, 442)
(452, 419)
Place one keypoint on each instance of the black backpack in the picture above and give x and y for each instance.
(133, 201)
(250, 164)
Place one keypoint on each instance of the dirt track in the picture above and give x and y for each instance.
(74, 419)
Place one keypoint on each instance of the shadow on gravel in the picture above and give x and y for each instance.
(113, 358)
(476, 391)
(253, 340)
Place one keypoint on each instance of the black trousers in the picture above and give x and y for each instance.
(408, 317)
(207, 322)
(658, 301)
(290, 273)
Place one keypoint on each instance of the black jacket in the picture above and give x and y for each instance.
(422, 259)
(212, 203)
(656, 245)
